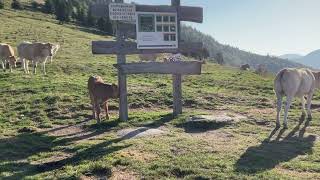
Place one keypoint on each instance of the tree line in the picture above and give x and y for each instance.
(68, 11)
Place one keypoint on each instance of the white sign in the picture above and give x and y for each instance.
(156, 30)
(122, 12)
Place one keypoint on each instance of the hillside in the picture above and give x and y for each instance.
(312, 59)
(291, 56)
(234, 56)
(46, 131)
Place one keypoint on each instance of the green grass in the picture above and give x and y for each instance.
(33, 107)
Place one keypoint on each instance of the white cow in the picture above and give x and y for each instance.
(292, 83)
(36, 53)
(7, 55)
(55, 49)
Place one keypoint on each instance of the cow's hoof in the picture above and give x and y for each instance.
(285, 126)
(278, 126)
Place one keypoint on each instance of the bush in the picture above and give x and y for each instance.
(16, 4)
(1, 4)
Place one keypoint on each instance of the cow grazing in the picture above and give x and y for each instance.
(99, 93)
(295, 83)
(36, 53)
(148, 57)
(55, 49)
(245, 67)
(7, 55)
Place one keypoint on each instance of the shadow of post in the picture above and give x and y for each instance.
(269, 154)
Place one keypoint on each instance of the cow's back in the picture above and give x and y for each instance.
(294, 82)
(6, 50)
(25, 50)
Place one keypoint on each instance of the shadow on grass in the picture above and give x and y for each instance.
(270, 153)
(200, 126)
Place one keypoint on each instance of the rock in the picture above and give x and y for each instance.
(139, 132)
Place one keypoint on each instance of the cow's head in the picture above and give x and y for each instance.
(317, 77)
(115, 91)
(47, 49)
(13, 61)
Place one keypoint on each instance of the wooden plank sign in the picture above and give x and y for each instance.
(122, 12)
(179, 67)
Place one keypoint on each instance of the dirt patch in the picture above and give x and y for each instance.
(121, 173)
(140, 132)
(138, 155)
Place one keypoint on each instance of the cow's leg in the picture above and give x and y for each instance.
(3, 63)
(10, 66)
(27, 66)
(44, 68)
(289, 101)
(34, 64)
(93, 106)
(303, 104)
(309, 105)
(98, 110)
(279, 106)
(106, 109)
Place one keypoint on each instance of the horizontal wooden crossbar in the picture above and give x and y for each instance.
(181, 67)
(130, 47)
(188, 13)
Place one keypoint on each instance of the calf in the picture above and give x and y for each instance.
(7, 55)
(99, 93)
(295, 83)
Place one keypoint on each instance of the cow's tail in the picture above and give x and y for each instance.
(278, 88)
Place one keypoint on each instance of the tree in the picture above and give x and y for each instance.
(63, 10)
(35, 5)
(48, 7)
(16, 4)
(219, 58)
(1, 4)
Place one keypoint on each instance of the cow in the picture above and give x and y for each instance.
(261, 70)
(292, 83)
(36, 53)
(7, 55)
(173, 58)
(245, 67)
(148, 57)
(55, 49)
(99, 93)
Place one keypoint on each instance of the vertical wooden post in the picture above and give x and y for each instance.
(177, 87)
(122, 78)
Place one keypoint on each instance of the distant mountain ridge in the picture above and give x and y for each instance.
(312, 59)
(234, 56)
(291, 56)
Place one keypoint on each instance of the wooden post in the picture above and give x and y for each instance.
(177, 87)
(122, 78)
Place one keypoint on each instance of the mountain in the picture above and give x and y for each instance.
(312, 59)
(234, 56)
(291, 56)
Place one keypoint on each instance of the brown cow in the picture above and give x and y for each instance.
(7, 54)
(245, 67)
(99, 93)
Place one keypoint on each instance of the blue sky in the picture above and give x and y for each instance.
(273, 27)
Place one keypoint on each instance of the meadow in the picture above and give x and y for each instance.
(46, 130)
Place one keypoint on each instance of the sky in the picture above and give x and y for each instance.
(273, 27)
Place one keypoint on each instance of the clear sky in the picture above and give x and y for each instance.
(273, 27)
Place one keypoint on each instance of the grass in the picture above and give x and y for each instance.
(46, 131)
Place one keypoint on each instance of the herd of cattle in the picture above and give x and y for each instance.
(289, 82)
(36, 52)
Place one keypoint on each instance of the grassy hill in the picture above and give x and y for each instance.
(45, 132)
(235, 56)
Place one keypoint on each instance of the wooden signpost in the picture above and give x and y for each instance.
(154, 21)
